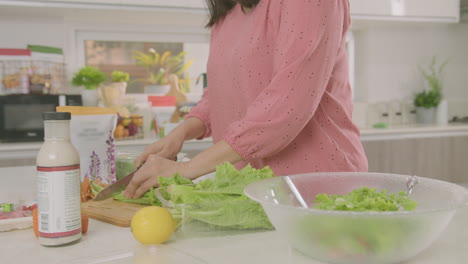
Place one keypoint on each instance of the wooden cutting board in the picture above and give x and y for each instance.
(111, 211)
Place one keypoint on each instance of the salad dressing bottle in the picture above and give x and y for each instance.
(58, 183)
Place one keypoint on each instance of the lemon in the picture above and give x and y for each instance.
(152, 225)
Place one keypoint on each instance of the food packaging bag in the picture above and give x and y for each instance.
(92, 134)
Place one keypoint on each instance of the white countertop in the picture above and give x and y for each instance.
(29, 150)
(24, 150)
(414, 131)
(105, 243)
(407, 130)
(36, 145)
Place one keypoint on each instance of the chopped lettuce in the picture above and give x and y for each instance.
(95, 188)
(365, 199)
(357, 237)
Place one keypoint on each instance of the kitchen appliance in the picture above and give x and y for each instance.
(358, 237)
(21, 115)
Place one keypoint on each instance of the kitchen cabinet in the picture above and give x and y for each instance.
(406, 10)
(442, 158)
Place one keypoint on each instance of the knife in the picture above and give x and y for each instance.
(115, 188)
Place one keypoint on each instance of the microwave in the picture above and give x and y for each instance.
(21, 115)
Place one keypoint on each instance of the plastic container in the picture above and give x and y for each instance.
(124, 164)
(14, 69)
(358, 237)
(163, 107)
(188, 225)
(47, 72)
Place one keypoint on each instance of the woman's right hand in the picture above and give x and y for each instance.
(168, 147)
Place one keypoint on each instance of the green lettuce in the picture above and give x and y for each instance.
(221, 201)
(95, 188)
(357, 237)
(365, 199)
(149, 198)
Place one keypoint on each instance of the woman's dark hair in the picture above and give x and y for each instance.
(220, 8)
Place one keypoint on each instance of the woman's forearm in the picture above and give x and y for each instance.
(206, 161)
(191, 128)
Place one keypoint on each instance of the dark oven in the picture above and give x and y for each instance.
(21, 115)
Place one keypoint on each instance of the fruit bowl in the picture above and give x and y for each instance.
(129, 127)
(357, 237)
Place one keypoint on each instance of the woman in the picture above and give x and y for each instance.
(278, 94)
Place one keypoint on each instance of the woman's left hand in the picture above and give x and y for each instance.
(147, 176)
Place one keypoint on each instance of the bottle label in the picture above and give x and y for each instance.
(59, 212)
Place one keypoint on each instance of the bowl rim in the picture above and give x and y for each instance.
(360, 213)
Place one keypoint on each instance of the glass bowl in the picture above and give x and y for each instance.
(357, 237)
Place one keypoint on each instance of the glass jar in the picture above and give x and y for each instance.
(125, 164)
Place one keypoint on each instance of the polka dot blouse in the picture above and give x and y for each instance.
(278, 89)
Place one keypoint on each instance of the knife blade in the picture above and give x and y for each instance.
(115, 188)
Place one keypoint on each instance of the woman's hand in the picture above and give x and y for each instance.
(155, 166)
(167, 147)
(147, 176)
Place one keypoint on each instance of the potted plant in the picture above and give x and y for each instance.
(160, 67)
(112, 93)
(90, 78)
(427, 101)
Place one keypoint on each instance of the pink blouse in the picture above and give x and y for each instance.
(278, 89)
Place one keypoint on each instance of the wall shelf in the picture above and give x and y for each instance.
(444, 11)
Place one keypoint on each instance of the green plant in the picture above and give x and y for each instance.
(119, 76)
(432, 97)
(160, 66)
(428, 99)
(89, 77)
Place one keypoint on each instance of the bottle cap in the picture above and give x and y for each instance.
(56, 116)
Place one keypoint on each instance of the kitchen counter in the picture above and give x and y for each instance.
(414, 131)
(10, 151)
(25, 150)
(105, 243)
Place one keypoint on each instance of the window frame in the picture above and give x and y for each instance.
(145, 33)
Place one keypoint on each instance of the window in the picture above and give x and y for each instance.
(118, 55)
(112, 49)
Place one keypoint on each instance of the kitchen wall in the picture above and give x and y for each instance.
(17, 32)
(387, 57)
(65, 29)
(387, 54)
